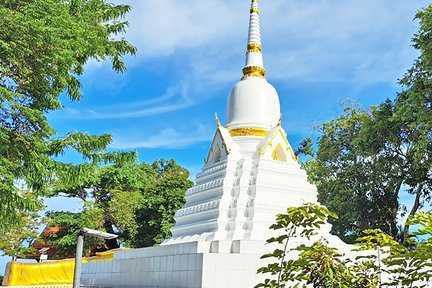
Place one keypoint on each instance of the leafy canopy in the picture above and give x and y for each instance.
(15, 242)
(44, 45)
(366, 159)
(135, 201)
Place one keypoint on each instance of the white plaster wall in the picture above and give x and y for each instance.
(214, 264)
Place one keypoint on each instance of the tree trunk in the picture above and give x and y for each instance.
(414, 209)
(395, 210)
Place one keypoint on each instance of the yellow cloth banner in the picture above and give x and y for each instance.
(49, 273)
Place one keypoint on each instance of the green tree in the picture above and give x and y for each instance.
(16, 241)
(44, 45)
(316, 264)
(135, 201)
(114, 188)
(357, 187)
(162, 199)
(69, 223)
(383, 262)
(398, 265)
(366, 159)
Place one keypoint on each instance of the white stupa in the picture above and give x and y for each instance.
(250, 175)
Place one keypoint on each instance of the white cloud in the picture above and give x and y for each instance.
(170, 137)
(159, 27)
(344, 41)
(347, 41)
(327, 40)
(175, 98)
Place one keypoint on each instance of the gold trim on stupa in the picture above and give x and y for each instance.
(261, 132)
(254, 71)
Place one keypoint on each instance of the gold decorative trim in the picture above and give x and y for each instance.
(288, 148)
(254, 10)
(254, 71)
(254, 47)
(249, 132)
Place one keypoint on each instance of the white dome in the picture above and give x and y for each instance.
(253, 102)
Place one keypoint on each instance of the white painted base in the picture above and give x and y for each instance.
(220, 264)
(194, 264)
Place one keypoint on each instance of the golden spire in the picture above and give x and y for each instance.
(218, 123)
(254, 66)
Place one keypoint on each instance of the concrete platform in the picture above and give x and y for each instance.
(195, 264)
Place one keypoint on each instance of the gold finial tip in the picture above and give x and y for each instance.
(280, 120)
(218, 124)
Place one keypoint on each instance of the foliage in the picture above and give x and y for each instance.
(135, 201)
(323, 266)
(297, 222)
(366, 159)
(357, 188)
(163, 198)
(381, 261)
(402, 266)
(69, 223)
(113, 189)
(15, 242)
(44, 45)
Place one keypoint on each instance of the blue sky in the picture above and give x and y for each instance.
(190, 53)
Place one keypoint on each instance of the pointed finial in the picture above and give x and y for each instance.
(280, 120)
(254, 66)
(218, 124)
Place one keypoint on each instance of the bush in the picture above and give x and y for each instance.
(388, 265)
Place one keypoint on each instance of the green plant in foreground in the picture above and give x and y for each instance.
(381, 261)
(297, 222)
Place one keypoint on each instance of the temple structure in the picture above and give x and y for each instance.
(250, 175)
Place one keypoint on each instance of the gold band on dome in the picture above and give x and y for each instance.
(254, 71)
(254, 10)
(248, 132)
(254, 47)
